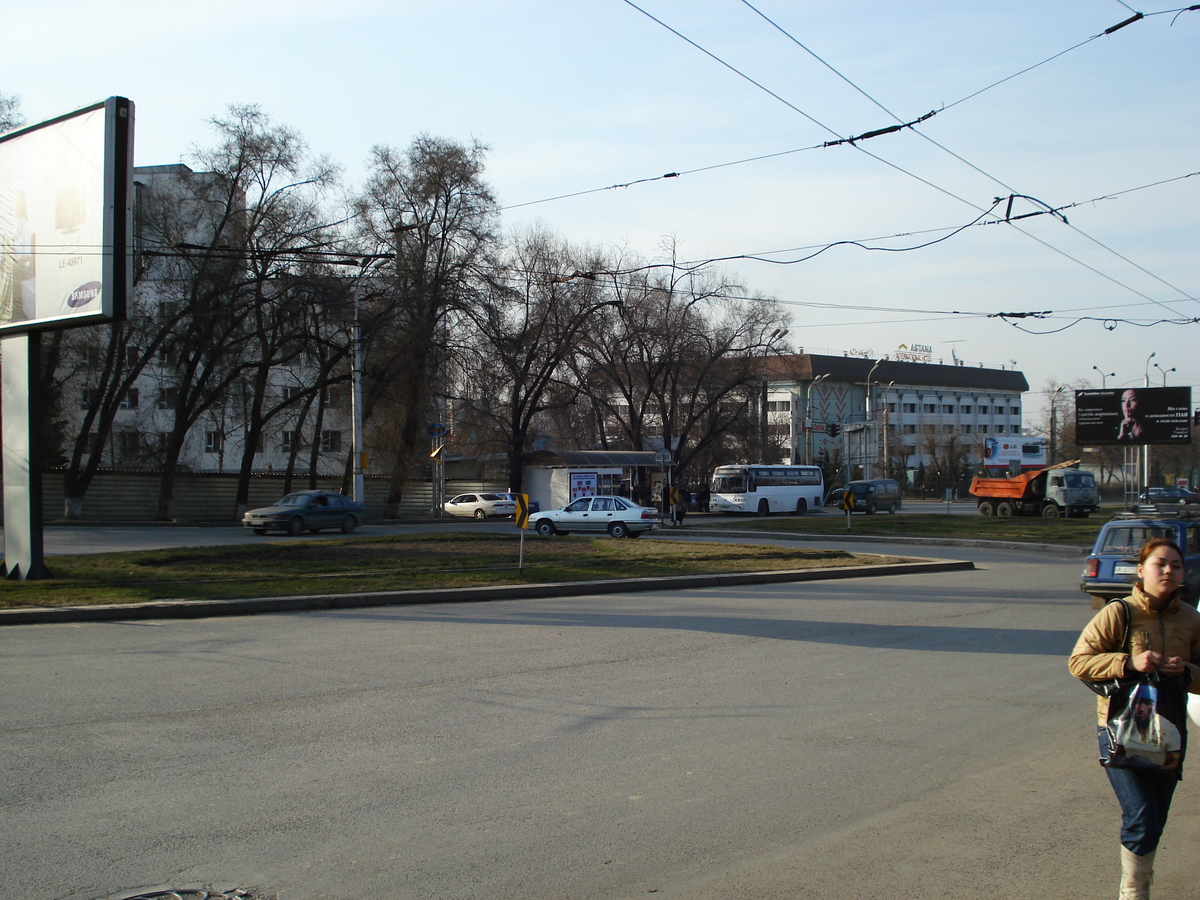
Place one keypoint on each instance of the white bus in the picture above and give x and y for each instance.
(766, 489)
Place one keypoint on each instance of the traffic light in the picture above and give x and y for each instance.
(834, 429)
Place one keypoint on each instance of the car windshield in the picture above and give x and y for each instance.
(1080, 480)
(295, 500)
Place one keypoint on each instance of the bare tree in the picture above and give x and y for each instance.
(256, 219)
(679, 366)
(10, 112)
(430, 205)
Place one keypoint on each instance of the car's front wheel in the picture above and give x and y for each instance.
(349, 524)
(295, 526)
(545, 527)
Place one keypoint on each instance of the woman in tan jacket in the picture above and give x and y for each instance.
(1164, 638)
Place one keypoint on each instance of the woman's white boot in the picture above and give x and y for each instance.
(1136, 874)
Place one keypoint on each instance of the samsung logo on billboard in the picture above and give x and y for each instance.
(83, 295)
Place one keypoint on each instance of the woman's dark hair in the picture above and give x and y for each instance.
(1155, 543)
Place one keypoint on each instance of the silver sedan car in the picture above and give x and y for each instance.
(615, 515)
(480, 506)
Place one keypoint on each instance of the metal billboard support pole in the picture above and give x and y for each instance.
(24, 551)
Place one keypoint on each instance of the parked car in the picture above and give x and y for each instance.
(616, 515)
(534, 506)
(480, 506)
(1168, 495)
(1111, 568)
(307, 511)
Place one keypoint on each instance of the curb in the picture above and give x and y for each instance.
(195, 609)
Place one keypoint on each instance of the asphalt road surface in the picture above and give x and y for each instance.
(906, 737)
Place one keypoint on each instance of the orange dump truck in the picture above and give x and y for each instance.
(1059, 490)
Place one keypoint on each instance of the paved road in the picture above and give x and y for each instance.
(910, 737)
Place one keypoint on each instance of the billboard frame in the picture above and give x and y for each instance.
(115, 208)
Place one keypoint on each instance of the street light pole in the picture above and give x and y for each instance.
(808, 405)
(1104, 376)
(775, 335)
(869, 467)
(1053, 421)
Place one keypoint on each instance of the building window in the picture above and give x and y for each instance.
(910, 429)
(130, 400)
(910, 407)
(129, 443)
(983, 410)
(336, 397)
(89, 397)
(213, 441)
(1016, 410)
(891, 407)
(292, 393)
(779, 406)
(983, 429)
(947, 407)
(965, 410)
(331, 441)
(168, 397)
(930, 407)
(289, 442)
(93, 442)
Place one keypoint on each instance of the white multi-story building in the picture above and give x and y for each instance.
(868, 408)
(312, 434)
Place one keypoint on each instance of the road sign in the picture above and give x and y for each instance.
(662, 456)
(436, 429)
(522, 514)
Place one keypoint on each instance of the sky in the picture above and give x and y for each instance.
(1031, 100)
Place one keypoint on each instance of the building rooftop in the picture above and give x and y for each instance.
(807, 366)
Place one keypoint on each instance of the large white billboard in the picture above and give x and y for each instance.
(65, 224)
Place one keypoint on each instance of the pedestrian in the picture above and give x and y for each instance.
(1164, 633)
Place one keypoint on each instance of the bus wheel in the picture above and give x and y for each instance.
(763, 508)
(801, 506)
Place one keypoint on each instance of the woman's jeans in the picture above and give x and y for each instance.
(1145, 799)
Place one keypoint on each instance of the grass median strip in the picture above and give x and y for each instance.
(399, 562)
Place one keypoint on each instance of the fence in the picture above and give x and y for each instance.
(209, 498)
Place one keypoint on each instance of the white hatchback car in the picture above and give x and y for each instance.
(615, 515)
(480, 506)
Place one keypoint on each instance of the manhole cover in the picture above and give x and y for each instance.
(192, 892)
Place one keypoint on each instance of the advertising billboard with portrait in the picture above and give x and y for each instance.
(1134, 416)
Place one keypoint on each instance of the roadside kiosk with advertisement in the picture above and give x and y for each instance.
(554, 478)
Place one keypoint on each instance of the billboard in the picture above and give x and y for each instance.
(65, 225)
(1006, 451)
(1134, 416)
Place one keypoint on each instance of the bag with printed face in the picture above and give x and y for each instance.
(1147, 725)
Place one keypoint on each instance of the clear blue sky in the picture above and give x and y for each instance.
(575, 95)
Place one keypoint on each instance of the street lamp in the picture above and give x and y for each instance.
(1104, 376)
(1053, 420)
(774, 336)
(808, 439)
(1164, 372)
(870, 423)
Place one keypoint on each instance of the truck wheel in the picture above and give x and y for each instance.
(1004, 510)
(1050, 511)
(986, 508)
